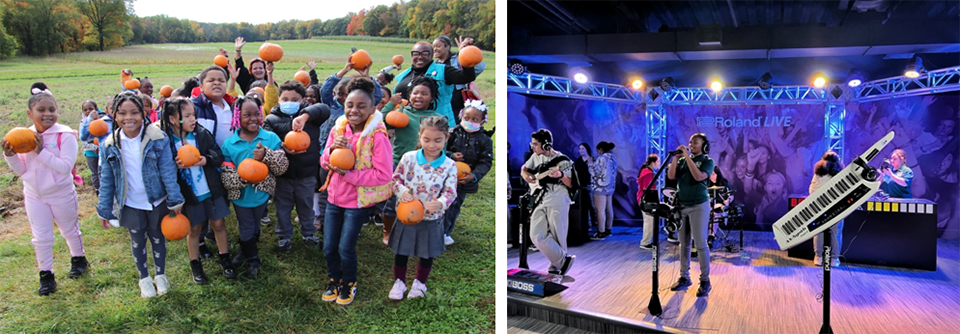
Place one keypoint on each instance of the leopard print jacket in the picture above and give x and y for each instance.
(277, 163)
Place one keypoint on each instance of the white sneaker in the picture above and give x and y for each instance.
(817, 261)
(162, 284)
(447, 240)
(417, 289)
(146, 288)
(398, 289)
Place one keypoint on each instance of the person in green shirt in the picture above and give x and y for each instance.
(691, 171)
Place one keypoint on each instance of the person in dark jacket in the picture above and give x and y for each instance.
(200, 184)
(295, 187)
(257, 69)
(470, 145)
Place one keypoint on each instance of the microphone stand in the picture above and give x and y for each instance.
(658, 210)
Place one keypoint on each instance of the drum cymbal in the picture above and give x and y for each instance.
(717, 188)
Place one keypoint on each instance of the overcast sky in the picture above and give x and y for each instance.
(250, 12)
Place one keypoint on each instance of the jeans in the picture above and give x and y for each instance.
(695, 220)
(341, 229)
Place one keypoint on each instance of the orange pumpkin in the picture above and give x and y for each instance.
(175, 227)
(131, 84)
(166, 91)
(297, 140)
(271, 52)
(470, 56)
(22, 140)
(410, 212)
(252, 171)
(189, 155)
(98, 128)
(398, 60)
(342, 158)
(220, 60)
(397, 119)
(303, 77)
(462, 169)
(360, 59)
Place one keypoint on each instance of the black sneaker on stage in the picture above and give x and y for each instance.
(48, 284)
(567, 263)
(704, 288)
(78, 265)
(647, 246)
(598, 236)
(681, 283)
(607, 233)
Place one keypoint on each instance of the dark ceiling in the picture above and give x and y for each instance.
(693, 41)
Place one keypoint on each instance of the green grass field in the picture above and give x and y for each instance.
(286, 297)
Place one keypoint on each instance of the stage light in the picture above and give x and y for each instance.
(716, 85)
(765, 81)
(667, 84)
(914, 68)
(855, 78)
(517, 68)
(580, 77)
(819, 80)
(637, 84)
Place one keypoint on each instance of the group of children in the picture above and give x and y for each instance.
(139, 178)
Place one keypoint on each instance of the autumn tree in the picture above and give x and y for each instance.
(109, 21)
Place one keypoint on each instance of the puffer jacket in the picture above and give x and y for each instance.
(603, 174)
(477, 151)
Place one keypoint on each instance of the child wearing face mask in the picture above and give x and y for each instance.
(296, 186)
(470, 145)
(422, 104)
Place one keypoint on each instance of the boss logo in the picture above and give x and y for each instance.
(520, 285)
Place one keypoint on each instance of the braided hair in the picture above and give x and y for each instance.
(174, 106)
(431, 84)
(238, 104)
(134, 97)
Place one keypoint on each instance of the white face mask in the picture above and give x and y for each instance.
(471, 126)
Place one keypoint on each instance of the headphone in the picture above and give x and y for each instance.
(706, 142)
(545, 138)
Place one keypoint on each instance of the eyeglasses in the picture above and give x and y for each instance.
(415, 54)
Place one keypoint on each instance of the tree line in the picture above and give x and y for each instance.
(44, 27)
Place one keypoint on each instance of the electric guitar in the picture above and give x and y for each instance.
(537, 189)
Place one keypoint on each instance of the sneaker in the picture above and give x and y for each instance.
(607, 233)
(447, 240)
(312, 240)
(196, 268)
(146, 288)
(647, 246)
(533, 248)
(331, 292)
(817, 261)
(835, 263)
(567, 263)
(162, 284)
(377, 220)
(598, 236)
(78, 265)
(416, 290)
(204, 251)
(228, 270)
(681, 283)
(398, 289)
(265, 221)
(704, 289)
(48, 283)
(347, 293)
(284, 245)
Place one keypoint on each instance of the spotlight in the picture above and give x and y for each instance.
(580, 77)
(819, 80)
(765, 81)
(637, 84)
(716, 85)
(914, 67)
(667, 84)
(517, 68)
(855, 78)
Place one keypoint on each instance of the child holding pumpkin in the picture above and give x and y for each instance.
(352, 191)
(48, 190)
(139, 175)
(295, 188)
(423, 103)
(199, 182)
(262, 148)
(91, 112)
(428, 176)
(468, 144)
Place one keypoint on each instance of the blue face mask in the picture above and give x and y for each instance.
(289, 108)
(470, 126)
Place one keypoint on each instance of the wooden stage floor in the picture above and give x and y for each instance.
(769, 293)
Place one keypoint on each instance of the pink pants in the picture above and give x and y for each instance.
(42, 213)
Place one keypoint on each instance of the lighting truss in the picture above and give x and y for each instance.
(833, 127)
(942, 80)
(656, 138)
(536, 84)
(748, 95)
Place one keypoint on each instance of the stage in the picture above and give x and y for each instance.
(609, 289)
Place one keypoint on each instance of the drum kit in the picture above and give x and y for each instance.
(723, 216)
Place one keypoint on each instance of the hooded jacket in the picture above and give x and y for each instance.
(304, 164)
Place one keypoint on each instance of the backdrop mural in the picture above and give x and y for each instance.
(766, 152)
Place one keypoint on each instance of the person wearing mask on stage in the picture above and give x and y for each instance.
(644, 178)
(691, 171)
(897, 177)
(825, 169)
(548, 222)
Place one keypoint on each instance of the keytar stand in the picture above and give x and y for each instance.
(827, 262)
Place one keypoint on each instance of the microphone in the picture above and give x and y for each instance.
(674, 152)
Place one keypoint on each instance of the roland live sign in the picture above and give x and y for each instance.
(743, 122)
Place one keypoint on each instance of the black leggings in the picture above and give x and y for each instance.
(401, 261)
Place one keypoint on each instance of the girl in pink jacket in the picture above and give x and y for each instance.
(353, 192)
(48, 191)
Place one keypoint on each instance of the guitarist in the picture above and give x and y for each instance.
(691, 171)
(549, 218)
